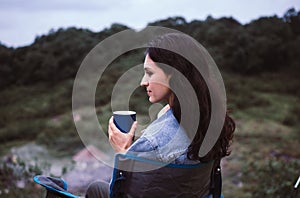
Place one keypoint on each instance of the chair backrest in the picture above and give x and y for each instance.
(161, 180)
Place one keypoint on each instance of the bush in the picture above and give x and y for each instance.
(16, 179)
(274, 178)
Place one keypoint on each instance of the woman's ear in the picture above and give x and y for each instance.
(171, 99)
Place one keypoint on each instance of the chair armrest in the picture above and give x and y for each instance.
(56, 187)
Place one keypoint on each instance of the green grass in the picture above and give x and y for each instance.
(30, 110)
(266, 111)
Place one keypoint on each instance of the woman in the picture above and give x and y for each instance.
(176, 136)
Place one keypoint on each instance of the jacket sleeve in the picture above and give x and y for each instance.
(144, 148)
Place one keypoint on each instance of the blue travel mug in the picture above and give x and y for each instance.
(124, 120)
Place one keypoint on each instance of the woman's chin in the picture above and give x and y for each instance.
(152, 100)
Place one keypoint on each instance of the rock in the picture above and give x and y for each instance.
(87, 169)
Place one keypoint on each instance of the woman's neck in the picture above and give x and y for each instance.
(163, 110)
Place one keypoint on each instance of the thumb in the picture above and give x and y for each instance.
(133, 128)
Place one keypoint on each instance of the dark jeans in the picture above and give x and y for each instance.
(98, 189)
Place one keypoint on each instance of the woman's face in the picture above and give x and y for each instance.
(156, 82)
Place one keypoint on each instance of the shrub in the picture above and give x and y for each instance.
(16, 179)
(273, 178)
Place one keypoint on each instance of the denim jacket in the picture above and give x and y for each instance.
(163, 140)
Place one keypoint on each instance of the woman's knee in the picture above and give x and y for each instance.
(98, 189)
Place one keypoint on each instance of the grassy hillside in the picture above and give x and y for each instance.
(265, 157)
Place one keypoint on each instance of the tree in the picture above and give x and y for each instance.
(6, 71)
(170, 22)
(292, 17)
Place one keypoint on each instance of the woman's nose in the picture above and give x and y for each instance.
(144, 81)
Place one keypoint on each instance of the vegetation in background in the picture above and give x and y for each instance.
(259, 62)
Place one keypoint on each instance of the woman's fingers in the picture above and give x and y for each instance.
(118, 140)
(133, 128)
(112, 125)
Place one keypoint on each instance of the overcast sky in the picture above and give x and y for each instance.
(22, 20)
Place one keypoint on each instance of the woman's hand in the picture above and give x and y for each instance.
(119, 141)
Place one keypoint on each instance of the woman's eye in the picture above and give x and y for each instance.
(149, 73)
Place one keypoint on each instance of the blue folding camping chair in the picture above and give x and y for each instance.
(129, 179)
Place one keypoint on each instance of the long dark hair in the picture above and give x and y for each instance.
(158, 53)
